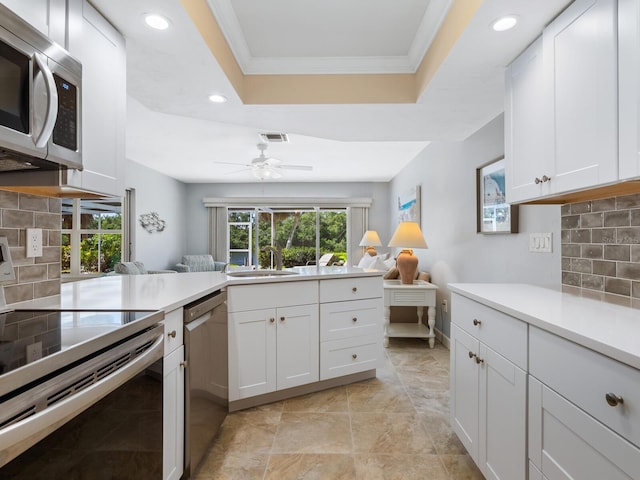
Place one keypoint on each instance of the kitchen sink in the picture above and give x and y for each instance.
(261, 273)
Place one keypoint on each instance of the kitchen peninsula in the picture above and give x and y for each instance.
(287, 334)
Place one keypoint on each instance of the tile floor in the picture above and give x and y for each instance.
(395, 426)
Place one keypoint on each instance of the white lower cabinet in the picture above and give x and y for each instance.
(173, 415)
(350, 326)
(567, 443)
(274, 348)
(489, 388)
(488, 407)
(584, 420)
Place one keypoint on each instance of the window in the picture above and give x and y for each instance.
(91, 235)
(301, 235)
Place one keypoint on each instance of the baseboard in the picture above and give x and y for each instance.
(443, 339)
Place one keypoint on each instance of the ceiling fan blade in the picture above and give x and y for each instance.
(296, 167)
(233, 163)
(237, 171)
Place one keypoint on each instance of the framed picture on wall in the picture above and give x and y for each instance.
(494, 214)
(409, 205)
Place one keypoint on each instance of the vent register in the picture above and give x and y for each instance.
(274, 137)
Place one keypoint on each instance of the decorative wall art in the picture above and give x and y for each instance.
(409, 205)
(151, 222)
(494, 215)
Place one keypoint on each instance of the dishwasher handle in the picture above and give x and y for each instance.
(199, 308)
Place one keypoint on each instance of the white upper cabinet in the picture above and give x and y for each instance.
(526, 159)
(101, 50)
(629, 87)
(561, 116)
(580, 54)
(35, 12)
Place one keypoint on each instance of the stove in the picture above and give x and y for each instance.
(60, 371)
(34, 343)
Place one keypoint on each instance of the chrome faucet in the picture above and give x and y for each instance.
(277, 254)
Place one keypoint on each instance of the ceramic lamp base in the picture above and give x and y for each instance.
(371, 251)
(407, 264)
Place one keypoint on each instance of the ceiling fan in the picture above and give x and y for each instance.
(267, 168)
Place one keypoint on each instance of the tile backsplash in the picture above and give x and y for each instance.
(35, 277)
(601, 248)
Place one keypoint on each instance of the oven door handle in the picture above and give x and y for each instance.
(20, 436)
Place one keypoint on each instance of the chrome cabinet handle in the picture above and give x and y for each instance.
(538, 181)
(271, 320)
(354, 319)
(613, 400)
(471, 354)
(477, 322)
(354, 289)
(172, 334)
(282, 319)
(183, 364)
(354, 356)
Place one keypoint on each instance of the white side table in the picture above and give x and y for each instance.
(421, 294)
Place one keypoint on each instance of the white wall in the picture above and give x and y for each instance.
(198, 221)
(446, 173)
(155, 192)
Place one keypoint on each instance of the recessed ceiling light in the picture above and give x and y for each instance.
(217, 98)
(156, 21)
(504, 23)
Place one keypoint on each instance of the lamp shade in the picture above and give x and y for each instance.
(408, 235)
(370, 238)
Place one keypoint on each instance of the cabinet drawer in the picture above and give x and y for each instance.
(410, 297)
(350, 319)
(349, 355)
(173, 330)
(242, 298)
(570, 444)
(504, 334)
(584, 377)
(342, 289)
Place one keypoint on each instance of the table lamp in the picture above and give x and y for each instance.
(407, 236)
(370, 239)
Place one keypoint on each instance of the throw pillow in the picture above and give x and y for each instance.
(366, 261)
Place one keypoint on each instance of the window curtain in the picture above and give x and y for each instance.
(218, 233)
(357, 224)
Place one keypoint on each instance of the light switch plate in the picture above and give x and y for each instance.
(540, 242)
(34, 242)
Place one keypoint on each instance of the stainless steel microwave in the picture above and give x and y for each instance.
(40, 100)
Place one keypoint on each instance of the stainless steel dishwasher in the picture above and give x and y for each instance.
(206, 380)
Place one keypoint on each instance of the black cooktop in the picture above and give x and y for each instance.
(30, 335)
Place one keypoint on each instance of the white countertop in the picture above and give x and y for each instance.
(166, 291)
(612, 330)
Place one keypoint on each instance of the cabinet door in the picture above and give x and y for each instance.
(252, 353)
(298, 357)
(566, 443)
(629, 87)
(527, 129)
(35, 12)
(464, 380)
(580, 55)
(503, 418)
(101, 50)
(173, 415)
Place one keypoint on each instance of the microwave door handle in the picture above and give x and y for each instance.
(52, 104)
